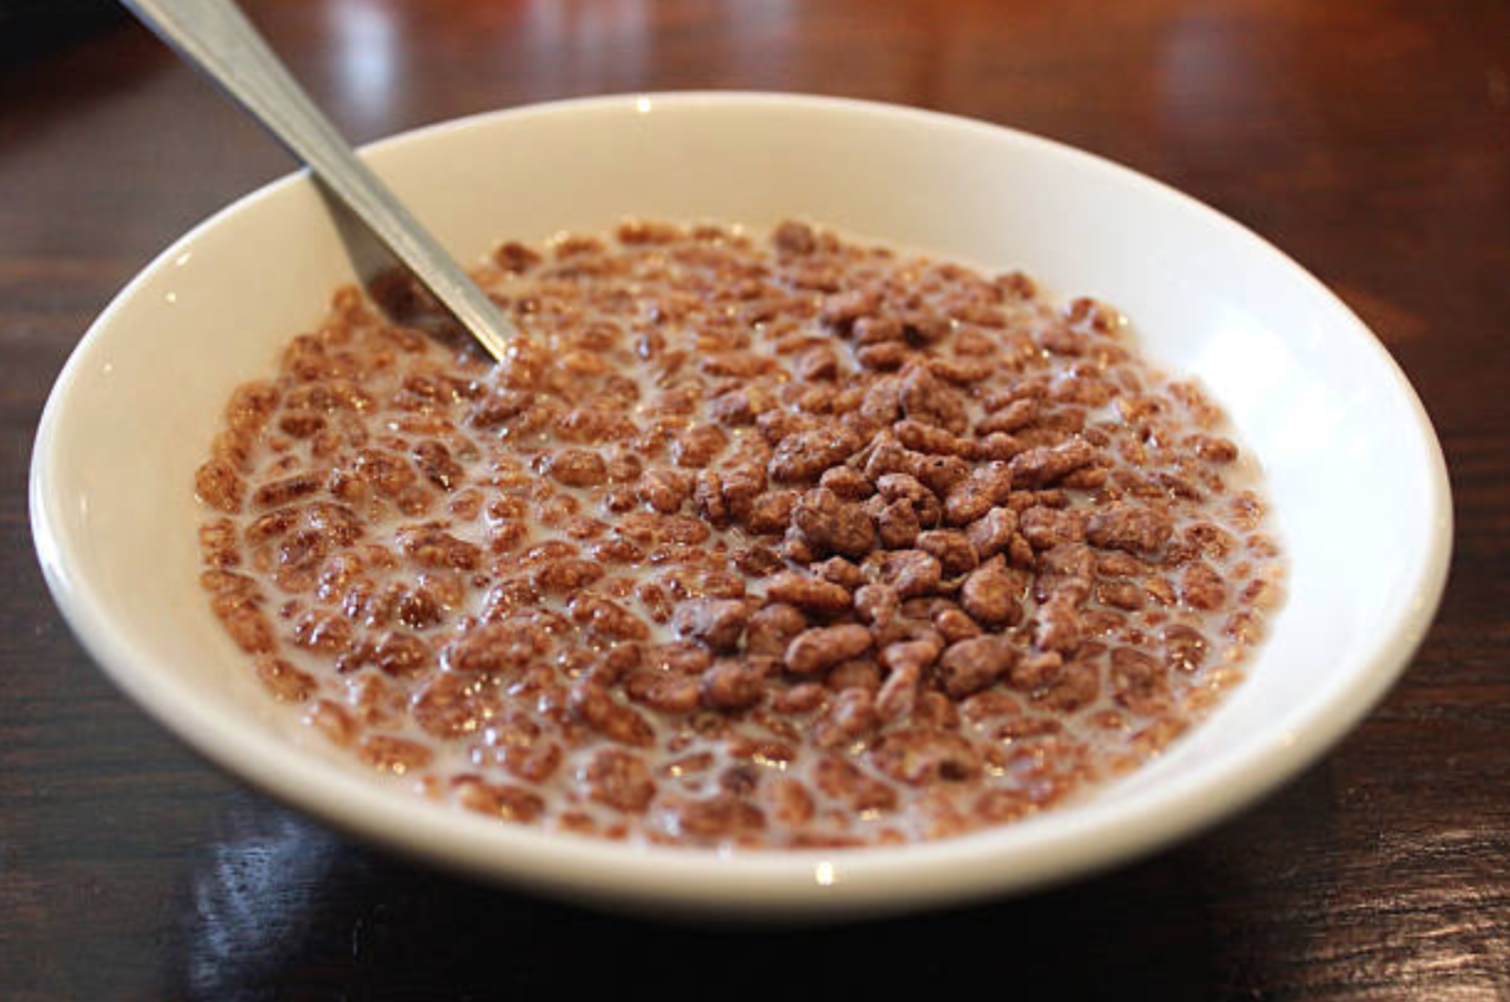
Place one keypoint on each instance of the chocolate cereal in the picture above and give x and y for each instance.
(777, 543)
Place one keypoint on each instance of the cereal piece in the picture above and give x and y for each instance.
(971, 498)
(324, 632)
(911, 657)
(898, 525)
(771, 628)
(437, 465)
(218, 485)
(953, 549)
(287, 683)
(842, 310)
(664, 490)
(515, 257)
(715, 817)
(595, 706)
(1203, 588)
(770, 512)
(924, 398)
(930, 440)
(733, 684)
(434, 548)
(971, 665)
(278, 493)
(566, 576)
(831, 525)
(452, 705)
(791, 803)
(496, 648)
(942, 474)
(954, 624)
(857, 673)
(991, 595)
(507, 803)
(1184, 647)
(1046, 528)
(905, 487)
(1042, 466)
(841, 572)
(1013, 415)
(716, 622)
(793, 237)
(1120, 594)
(338, 726)
(619, 779)
(606, 620)
(709, 500)
(923, 756)
(1213, 449)
(814, 650)
(1130, 527)
(842, 779)
(877, 604)
(401, 654)
(805, 455)
(850, 717)
(663, 691)
(1035, 671)
(801, 698)
(846, 482)
(1059, 626)
(696, 447)
(808, 593)
(387, 753)
(218, 544)
(912, 572)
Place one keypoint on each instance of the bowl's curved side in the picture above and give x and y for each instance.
(1308, 385)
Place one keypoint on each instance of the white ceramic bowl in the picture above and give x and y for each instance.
(1354, 469)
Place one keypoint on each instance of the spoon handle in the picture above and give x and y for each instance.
(215, 37)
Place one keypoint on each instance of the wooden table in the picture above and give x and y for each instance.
(1370, 140)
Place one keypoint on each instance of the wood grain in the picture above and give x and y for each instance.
(1371, 140)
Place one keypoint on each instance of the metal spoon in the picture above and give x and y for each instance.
(216, 38)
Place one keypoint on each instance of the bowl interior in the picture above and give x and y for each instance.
(1332, 421)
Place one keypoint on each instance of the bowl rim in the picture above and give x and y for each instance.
(1053, 848)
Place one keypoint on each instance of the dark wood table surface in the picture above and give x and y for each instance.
(1371, 140)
